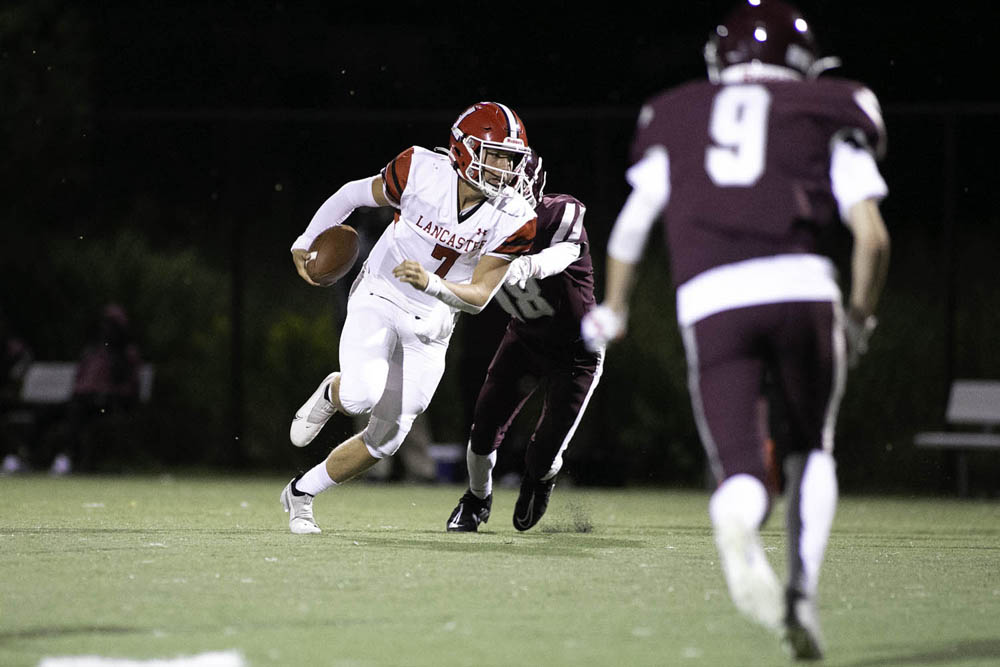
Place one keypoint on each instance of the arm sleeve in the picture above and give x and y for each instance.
(854, 176)
(335, 210)
(650, 180)
(553, 259)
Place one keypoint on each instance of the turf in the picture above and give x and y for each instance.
(151, 567)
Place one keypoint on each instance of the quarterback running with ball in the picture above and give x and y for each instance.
(460, 220)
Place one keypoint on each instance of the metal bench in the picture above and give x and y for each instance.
(40, 410)
(50, 383)
(971, 404)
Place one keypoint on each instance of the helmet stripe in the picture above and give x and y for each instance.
(515, 130)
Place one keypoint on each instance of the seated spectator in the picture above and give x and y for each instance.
(107, 383)
(15, 357)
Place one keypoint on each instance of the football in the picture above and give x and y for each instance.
(333, 254)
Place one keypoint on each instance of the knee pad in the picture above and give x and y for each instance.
(383, 437)
(358, 398)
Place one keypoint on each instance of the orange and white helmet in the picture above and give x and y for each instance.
(488, 126)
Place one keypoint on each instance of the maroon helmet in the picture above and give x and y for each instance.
(532, 185)
(765, 33)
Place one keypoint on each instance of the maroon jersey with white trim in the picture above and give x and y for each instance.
(750, 164)
(551, 308)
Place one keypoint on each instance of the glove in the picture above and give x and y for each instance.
(858, 331)
(520, 270)
(600, 326)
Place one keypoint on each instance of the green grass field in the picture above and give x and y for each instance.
(150, 567)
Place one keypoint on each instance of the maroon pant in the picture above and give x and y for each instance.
(799, 346)
(568, 374)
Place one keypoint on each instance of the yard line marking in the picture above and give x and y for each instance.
(215, 659)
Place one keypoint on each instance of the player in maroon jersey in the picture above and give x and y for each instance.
(547, 292)
(747, 170)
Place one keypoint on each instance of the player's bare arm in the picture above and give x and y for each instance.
(470, 297)
(607, 322)
(333, 212)
(869, 258)
(869, 266)
(618, 289)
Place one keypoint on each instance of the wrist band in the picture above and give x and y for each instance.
(434, 284)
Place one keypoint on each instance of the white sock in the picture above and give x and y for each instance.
(817, 505)
(316, 481)
(480, 472)
(737, 509)
(742, 497)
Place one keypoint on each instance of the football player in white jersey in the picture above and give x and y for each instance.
(459, 222)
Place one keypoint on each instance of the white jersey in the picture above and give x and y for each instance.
(428, 228)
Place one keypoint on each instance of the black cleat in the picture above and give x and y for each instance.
(532, 502)
(802, 634)
(471, 512)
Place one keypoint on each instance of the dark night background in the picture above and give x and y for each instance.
(164, 156)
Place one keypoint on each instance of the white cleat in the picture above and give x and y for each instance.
(300, 511)
(313, 415)
(753, 586)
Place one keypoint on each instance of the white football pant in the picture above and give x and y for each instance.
(386, 369)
